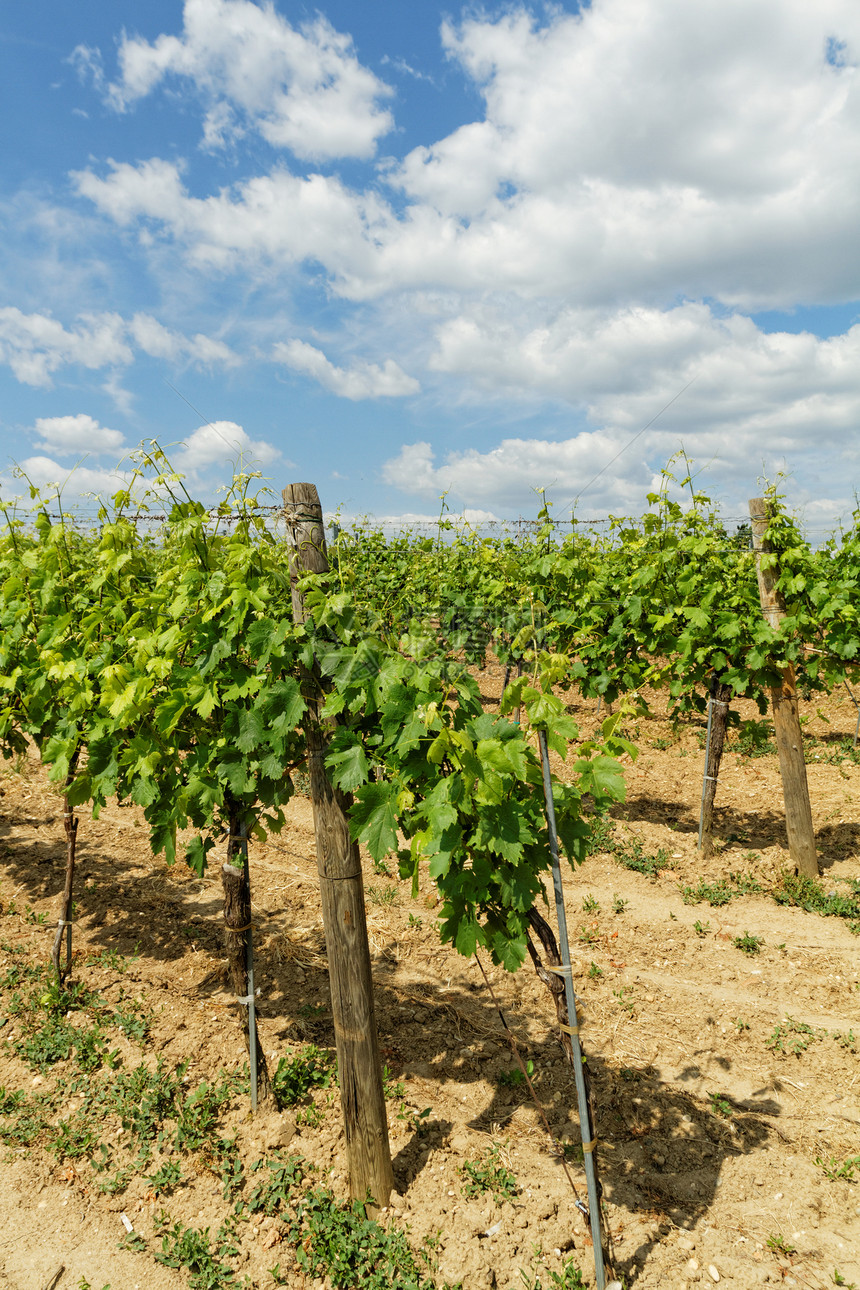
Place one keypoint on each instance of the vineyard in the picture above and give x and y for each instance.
(204, 720)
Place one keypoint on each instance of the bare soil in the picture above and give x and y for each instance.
(715, 1147)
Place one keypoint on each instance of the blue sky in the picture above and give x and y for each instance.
(401, 250)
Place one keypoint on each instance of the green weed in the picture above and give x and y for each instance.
(721, 1105)
(808, 894)
(513, 1078)
(297, 1076)
(748, 944)
(716, 894)
(632, 856)
(754, 739)
(792, 1036)
(777, 1242)
(839, 1169)
(167, 1177)
(624, 1002)
(489, 1175)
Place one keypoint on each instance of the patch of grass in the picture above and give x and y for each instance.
(746, 884)
(837, 1170)
(188, 1248)
(391, 1088)
(489, 1175)
(514, 1078)
(779, 1245)
(570, 1278)
(748, 943)
(715, 893)
(830, 752)
(113, 960)
(792, 1036)
(133, 1024)
(588, 935)
(754, 739)
(701, 929)
(619, 905)
(388, 895)
(632, 856)
(847, 1041)
(167, 1177)
(721, 1105)
(297, 1076)
(590, 905)
(595, 972)
(624, 1002)
(808, 894)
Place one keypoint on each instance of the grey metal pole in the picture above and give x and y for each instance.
(585, 1126)
(249, 965)
(705, 776)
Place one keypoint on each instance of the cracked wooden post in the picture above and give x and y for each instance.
(786, 717)
(342, 892)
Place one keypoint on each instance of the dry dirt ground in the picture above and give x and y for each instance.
(719, 1146)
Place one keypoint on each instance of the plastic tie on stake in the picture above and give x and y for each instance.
(247, 999)
(588, 1147)
(562, 971)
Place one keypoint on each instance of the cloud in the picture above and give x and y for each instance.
(730, 393)
(77, 434)
(359, 381)
(220, 444)
(37, 345)
(583, 178)
(46, 473)
(277, 219)
(299, 88)
(159, 342)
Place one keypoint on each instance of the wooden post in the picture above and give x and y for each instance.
(786, 718)
(719, 700)
(342, 892)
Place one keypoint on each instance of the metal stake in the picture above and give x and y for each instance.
(705, 774)
(585, 1125)
(249, 968)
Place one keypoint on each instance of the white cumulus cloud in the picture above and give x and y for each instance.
(300, 88)
(160, 342)
(77, 434)
(639, 149)
(358, 381)
(36, 345)
(220, 444)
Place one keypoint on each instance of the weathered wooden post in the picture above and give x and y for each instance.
(342, 892)
(786, 718)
